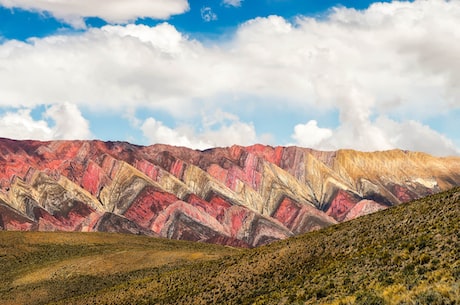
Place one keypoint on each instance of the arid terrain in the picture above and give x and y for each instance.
(237, 196)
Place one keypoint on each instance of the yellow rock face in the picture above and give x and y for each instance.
(397, 167)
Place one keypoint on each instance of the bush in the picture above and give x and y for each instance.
(430, 297)
(369, 298)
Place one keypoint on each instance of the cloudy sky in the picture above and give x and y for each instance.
(322, 74)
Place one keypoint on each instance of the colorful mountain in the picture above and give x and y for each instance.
(239, 196)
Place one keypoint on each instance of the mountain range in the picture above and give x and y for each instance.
(238, 196)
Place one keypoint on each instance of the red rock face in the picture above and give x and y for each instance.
(239, 196)
(402, 193)
(92, 178)
(287, 212)
(342, 203)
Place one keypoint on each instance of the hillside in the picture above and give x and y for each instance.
(409, 254)
(39, 267)
(238, 196)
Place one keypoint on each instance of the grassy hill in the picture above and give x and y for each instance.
(408, 254)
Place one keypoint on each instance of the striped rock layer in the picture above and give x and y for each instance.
(239, 196)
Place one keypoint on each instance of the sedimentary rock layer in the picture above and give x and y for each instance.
(240, 196)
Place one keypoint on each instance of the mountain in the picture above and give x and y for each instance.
(409, 254)
(239, 196)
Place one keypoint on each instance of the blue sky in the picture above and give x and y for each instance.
(323, 74)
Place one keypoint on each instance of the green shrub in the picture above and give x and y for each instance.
(369, 298)
(431, 297)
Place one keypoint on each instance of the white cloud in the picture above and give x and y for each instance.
(20, 125)
(224, 130)
(381, 134)
(412, 135)
(207, 14)
(234, 3)
(68, 124)
(111, 67)
(156, 132)
(397, 60)
(310, 135)
(310, 62)
(112, 11)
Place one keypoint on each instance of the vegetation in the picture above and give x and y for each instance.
(43, 267)
(408, 254)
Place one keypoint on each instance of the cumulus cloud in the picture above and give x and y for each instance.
(156, 132)
(412, 135)
(381, 134)
(397, 60)
(310, 135)
(234, 3)
(20, 125)
(133, 65)
(207, 14)
(112, 11)
(224, 130)
(309, 62)
(69, 124)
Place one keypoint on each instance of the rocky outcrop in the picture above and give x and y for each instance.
(240, 196)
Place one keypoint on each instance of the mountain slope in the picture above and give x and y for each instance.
(41, 267)
(241, 196)
(403, 255)
(409, 254)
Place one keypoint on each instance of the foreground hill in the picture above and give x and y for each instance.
(408, 254)
(41, 267)
(239, 196)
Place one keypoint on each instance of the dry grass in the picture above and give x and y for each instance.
(34, 265)
(106, 264)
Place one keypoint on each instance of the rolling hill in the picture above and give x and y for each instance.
(409, 254)
(238, 196)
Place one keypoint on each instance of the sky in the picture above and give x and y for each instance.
(323, 74)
